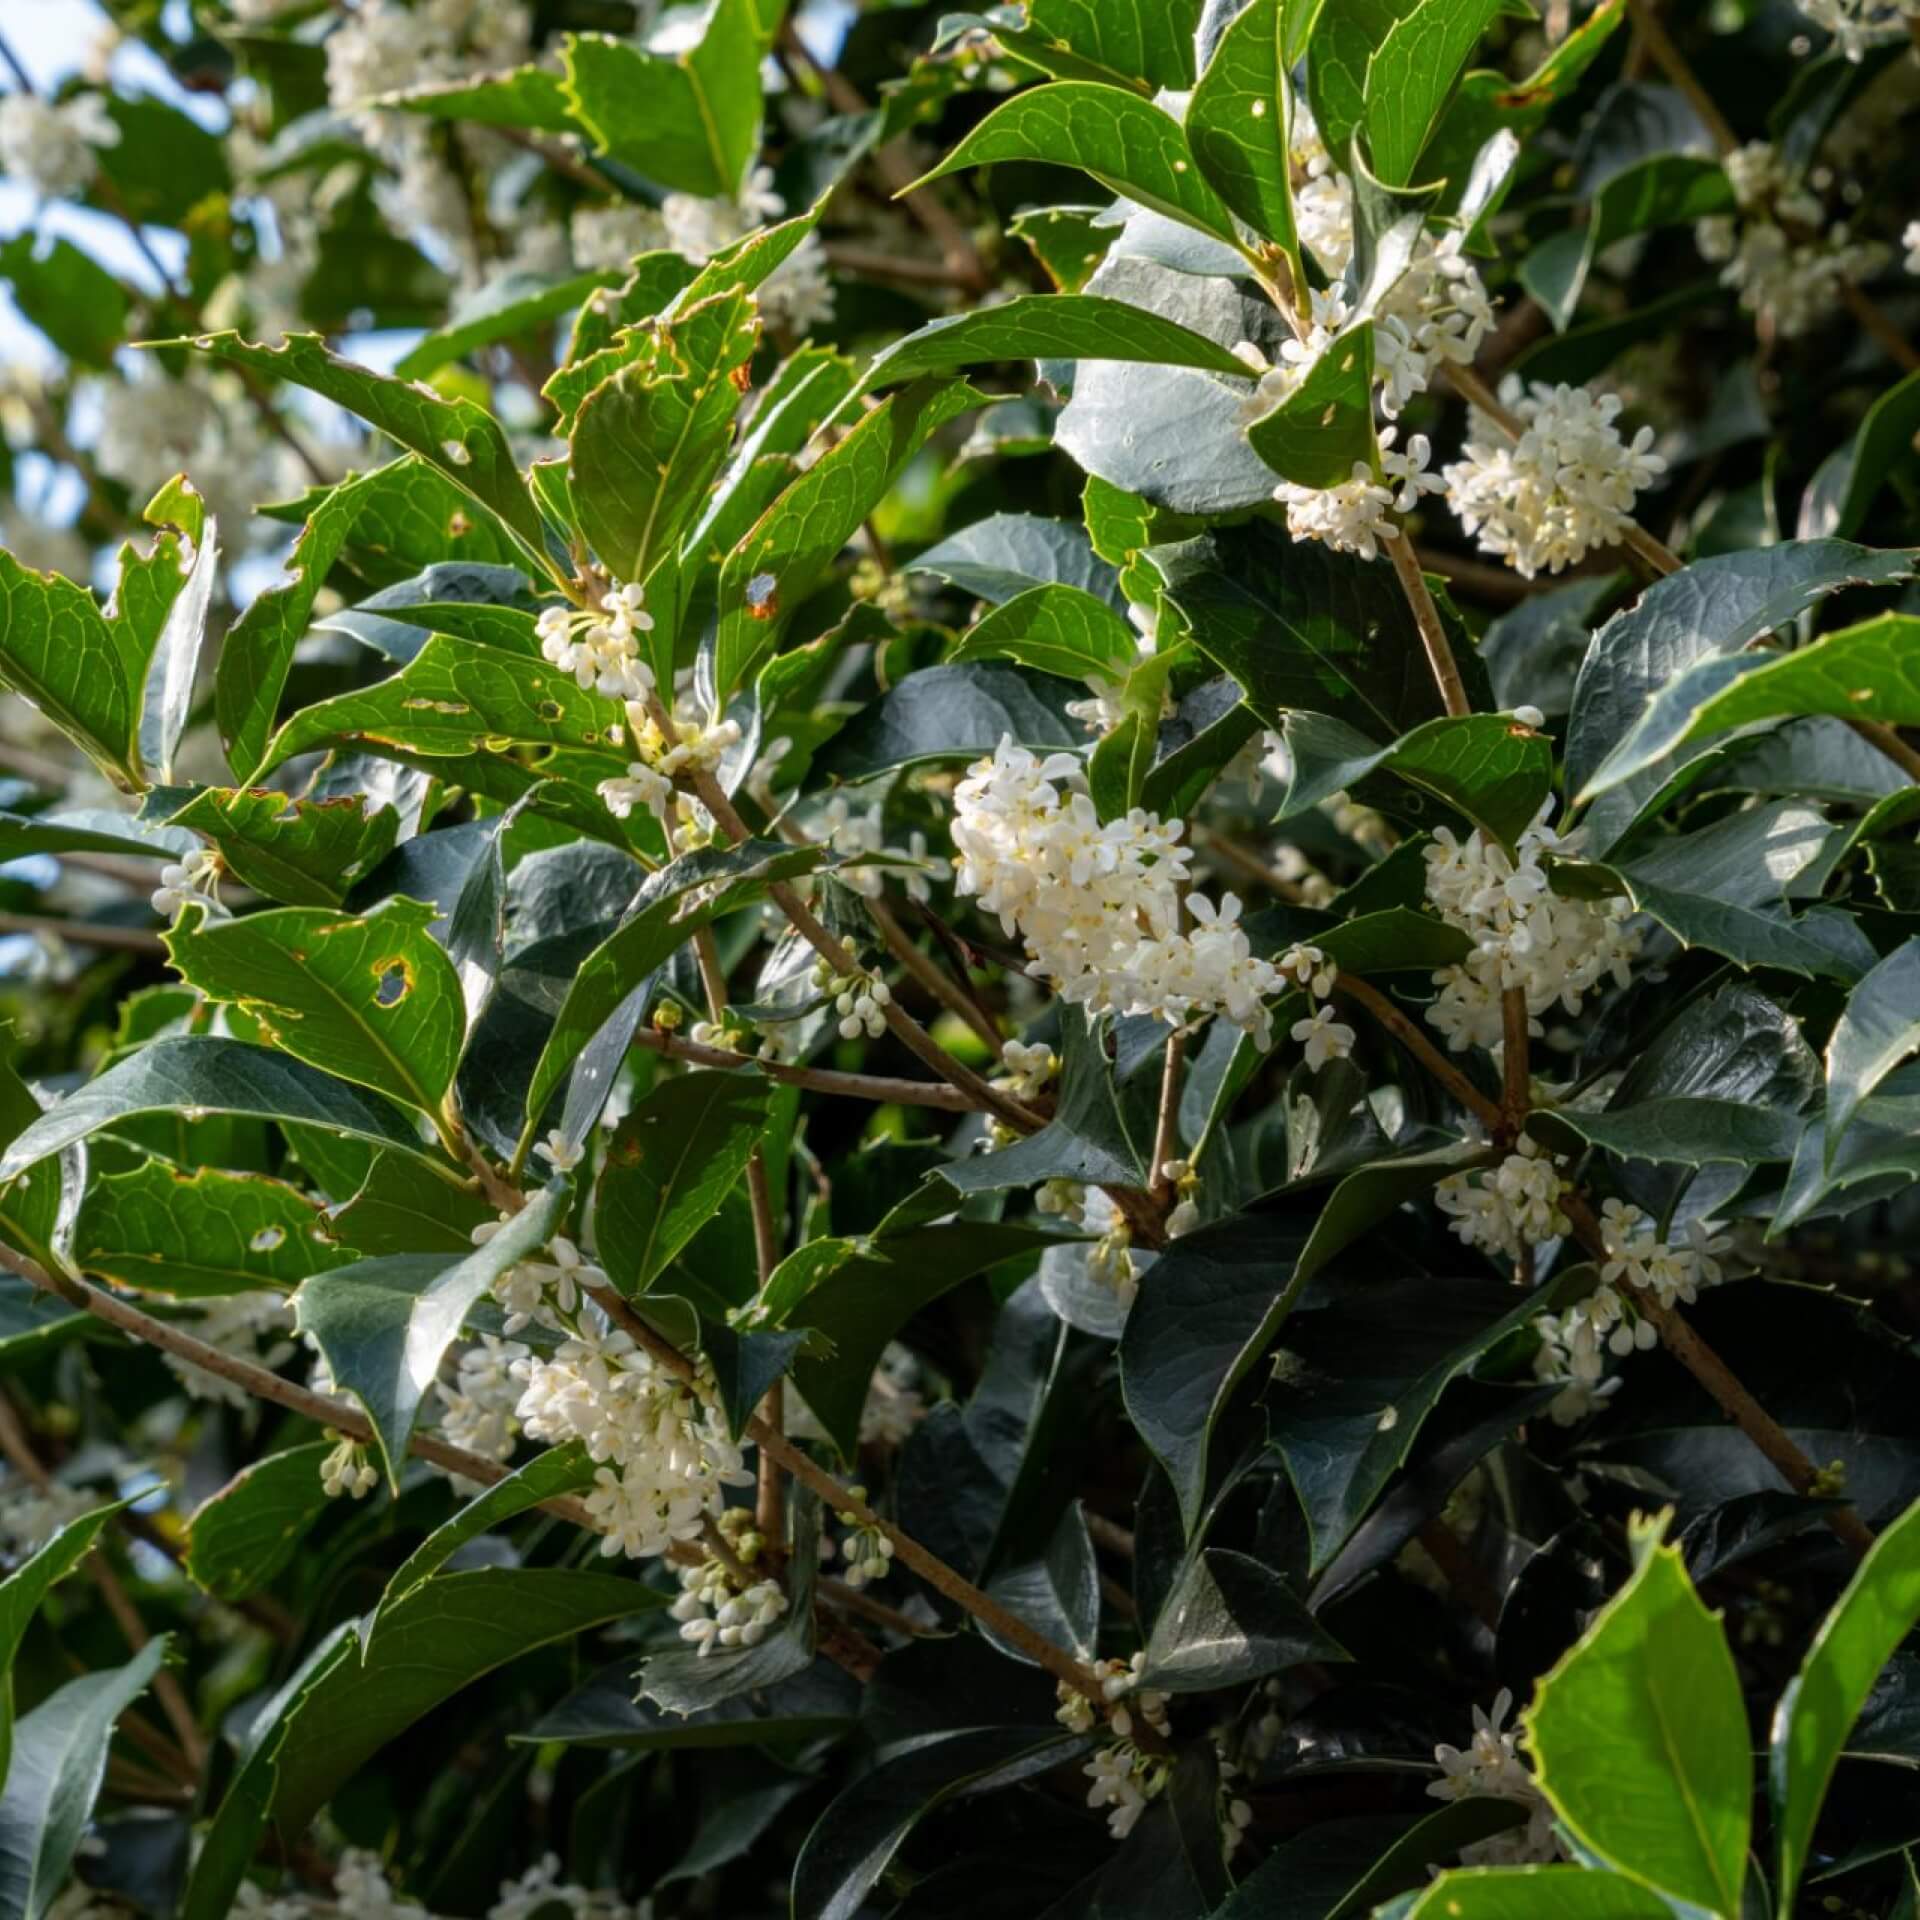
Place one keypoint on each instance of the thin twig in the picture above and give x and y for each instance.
(949, 993)
(85, 933)
(1486, 1111)
(1433, 632)
(1871, 315)
(1669, 59)
(1515, 1078)
(1166, 1132)
(858, 1086)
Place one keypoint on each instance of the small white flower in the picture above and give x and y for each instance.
(1324, 1037)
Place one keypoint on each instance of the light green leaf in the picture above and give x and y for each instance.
(1239, 119)
(457, 436)
(688, 120)
(243, 1535)
(21, 1593)
(1816, 1713)
(374, 1000)
(1530, 1893)
(1150, 41)
(528, 97)
(59, 1760)
(1059, 630)
(648, 442)
(307, 853)
(159, 1230)
(385, 1325)
(1129, 145)
(657, 923)
(1639, 1738)
(455, 699)
(670, 1164)
(1323, 429)
(772, 571)
(1048, 326)
(1492, 768)
(202, 1072)
(1411, 76)
(189, 545)
(1877, 1029)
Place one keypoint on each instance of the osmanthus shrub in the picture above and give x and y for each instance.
(1030, 1034)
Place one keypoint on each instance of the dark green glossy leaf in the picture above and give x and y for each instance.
(240, 1537)
(1239, 118)
(1230, 1621)
(950, 713)
(1878, 1028)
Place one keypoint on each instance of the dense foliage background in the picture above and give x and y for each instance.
(959, 964)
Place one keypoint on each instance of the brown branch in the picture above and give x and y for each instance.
(1872, 316)
(1486, 1111)
(949, 994)
(1672, 62)
(85, 933)
(1516, 1080)
(857, 1086)
(1727, 1389)
(895, 266)
(1433, 632)
(1166, 1132)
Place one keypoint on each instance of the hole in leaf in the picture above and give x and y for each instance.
(393, 981)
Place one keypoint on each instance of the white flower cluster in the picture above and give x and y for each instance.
(1566, 486)
(1026, 1070)
(53, 148)
(1674, 1274)
(250, 1326)
(545, 1292)
(1573, 1352)
(1324, 1037)
(30, 1516)
(151, 426)
(1099, 904)
(712, 1610)
(600, 646)
(1858, 25)
(663, 1445)
(1124, 1779)
(362, 1891)
(1352, 517)
(190, 881)
(1505, 1208)
(1490, 1767)
(477, 1406)
(1790, 268)
(541, 1888)
(1524, 934)
(852, 835)
(347, 1470)
(1183, 1178)
(697, 748)
(866, 1550)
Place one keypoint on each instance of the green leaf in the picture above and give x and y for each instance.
(1301, 627)
(21, 1593)
(89, 830)
(648, 442)
(772, 571)
(1151, 44)
(457, 436)
(1323, 429)
(1677, 1132)
(551, 1472)
(1877, 1029)
(204, 1073)
(1365, 1197)
(1715, 608)
(851, 1844)
(856, 1295)
(1228, 1622)
(1130, 146)
(528, 97)
(412, 516)
(1816, 1712)
(657, 924)
(689, 120)
(394, 1211)
(1060, 630)
(1052, 326)
(949, 713)
(501, 309)
(1217, 1298)
(669, 1166)
(1843, 489)
(59, 1760)
(72, 299)
(1006, 553)
(1639, 1738)
(240, 1537)
(384, 1325)
(439, 1638)
(1239, 122)
(235, 1831)
(1411, 76)
(1087, 1139)
(159, 1230)
(1068, 242)
(1529, 1893)
(374, 1000)
(1489, 766)
(820, 1702)
(1664, 190)
(1359, 1376)
(307, 853)
(454, 699)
